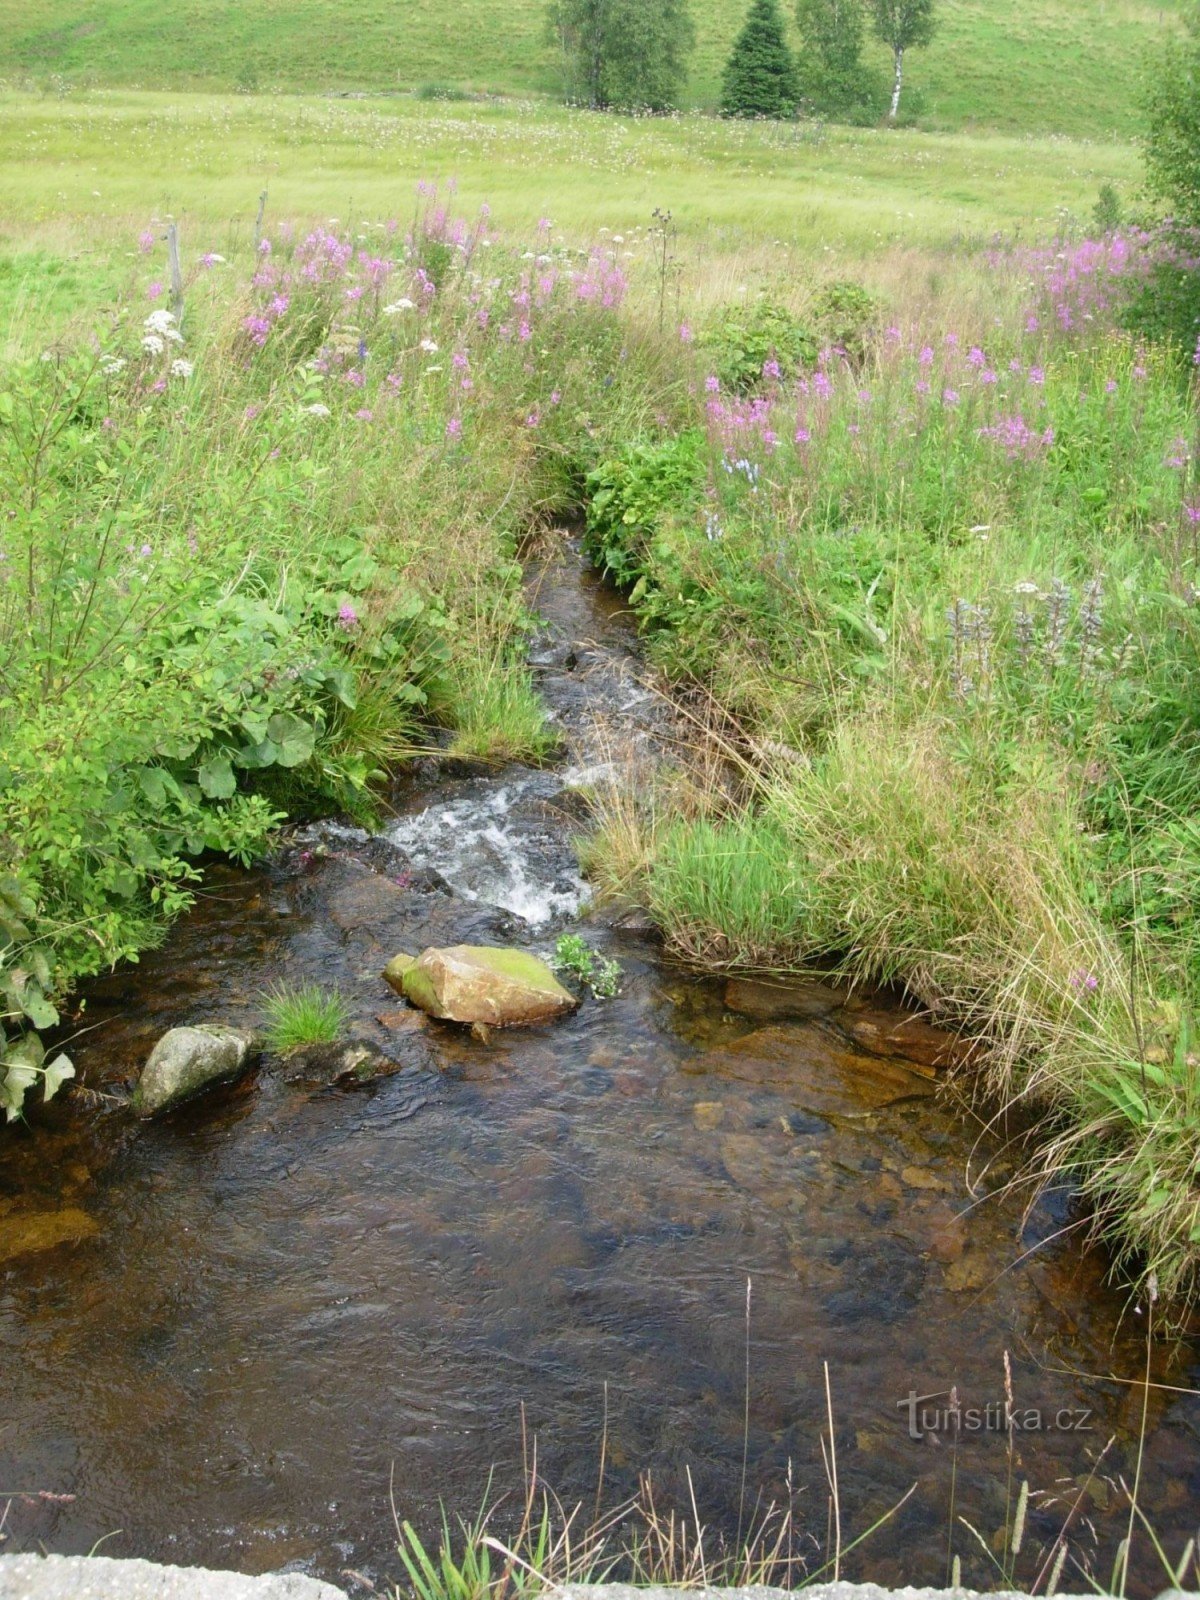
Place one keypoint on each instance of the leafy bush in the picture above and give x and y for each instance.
(844, 315)
(631, 495)
(744, 339)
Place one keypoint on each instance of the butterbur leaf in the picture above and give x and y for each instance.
(293, 738)
(20, 1069)
(255, 724)
(341, 682)
(55, 1075)
(28, 994)
(216, 778)
(15, 1081)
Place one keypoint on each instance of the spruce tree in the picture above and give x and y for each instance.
(760, 75)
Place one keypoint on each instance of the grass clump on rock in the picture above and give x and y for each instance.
(303, 1016)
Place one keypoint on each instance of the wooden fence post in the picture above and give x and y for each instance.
(176, 273)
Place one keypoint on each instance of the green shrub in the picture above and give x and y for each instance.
(630, 497)
(844, 315)
(743, 339)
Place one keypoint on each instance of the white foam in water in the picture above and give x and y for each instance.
(472, 844)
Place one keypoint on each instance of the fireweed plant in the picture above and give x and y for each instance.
(944, 589)
(249, 554)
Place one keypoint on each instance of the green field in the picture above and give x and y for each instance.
(80, 178)
(1053, 66)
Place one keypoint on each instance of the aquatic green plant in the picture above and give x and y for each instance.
(602, 976)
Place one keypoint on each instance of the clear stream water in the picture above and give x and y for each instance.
(289, 1292)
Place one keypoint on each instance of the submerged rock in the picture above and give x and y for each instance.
(43, 1230)
(480, 984)
(776, 999)
(805, 1062)
(186, 1060)
(905, 1037)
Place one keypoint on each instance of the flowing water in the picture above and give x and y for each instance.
(267, 1303)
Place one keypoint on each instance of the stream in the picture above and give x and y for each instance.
(266, 1305)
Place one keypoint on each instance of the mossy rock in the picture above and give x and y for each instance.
(485, 984)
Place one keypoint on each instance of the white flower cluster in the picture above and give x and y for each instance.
(403, 304)
(160, 331)
(317, 410)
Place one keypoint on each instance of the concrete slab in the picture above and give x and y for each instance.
(33, 1577)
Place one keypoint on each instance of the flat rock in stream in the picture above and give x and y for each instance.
(908, 1038)
(480, 984)
(809, 1065)
(775, 999)
(185, 1061)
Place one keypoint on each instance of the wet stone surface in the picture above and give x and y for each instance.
(252, 1311)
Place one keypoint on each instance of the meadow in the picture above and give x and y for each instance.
(751, 202)
(904, 503)
(1053, 66)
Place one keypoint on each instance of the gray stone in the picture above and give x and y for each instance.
(33, 1577)
(186, 1060)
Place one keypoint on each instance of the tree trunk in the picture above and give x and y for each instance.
(896, 85)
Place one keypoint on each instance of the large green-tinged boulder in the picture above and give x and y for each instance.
(480, 984)
(186, 1060)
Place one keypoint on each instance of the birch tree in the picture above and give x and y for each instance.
(902, 25)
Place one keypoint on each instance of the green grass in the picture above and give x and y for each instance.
(81, 178)
(306, 1015)
(1050, 66)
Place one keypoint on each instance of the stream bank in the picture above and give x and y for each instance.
(283, 1294)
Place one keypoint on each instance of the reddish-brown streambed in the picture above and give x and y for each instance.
(265, 1304)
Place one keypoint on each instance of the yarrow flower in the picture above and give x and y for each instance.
(153, 344)
(182, 369)
(429, 346)
(162, 322)
(403, 304)
(317, 410)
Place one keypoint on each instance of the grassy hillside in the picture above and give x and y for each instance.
(1051, 66)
